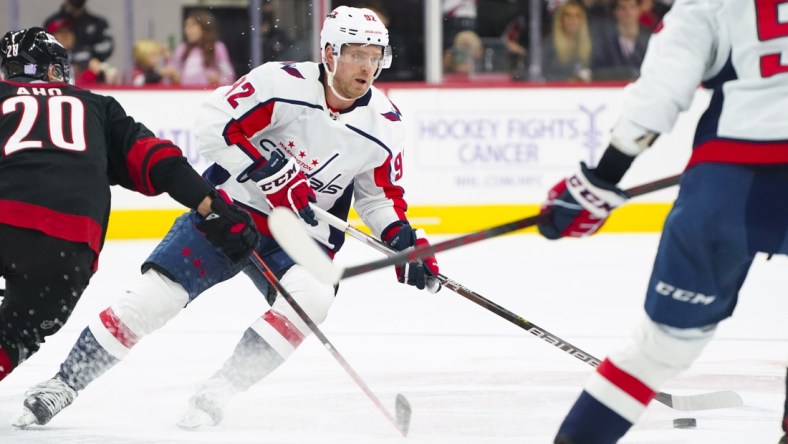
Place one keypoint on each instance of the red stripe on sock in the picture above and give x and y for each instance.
(118, 329)
(5, 364)
(284, 327)
(626, 382)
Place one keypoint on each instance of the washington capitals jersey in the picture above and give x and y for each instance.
(62, 148)
(738, 49)
(355, 153)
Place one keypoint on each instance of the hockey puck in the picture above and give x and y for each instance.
(685, 423)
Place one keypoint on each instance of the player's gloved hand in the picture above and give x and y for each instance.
(579, 205)
(285, 185)
(229, 228)
(421, 274)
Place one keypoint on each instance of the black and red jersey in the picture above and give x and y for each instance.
(61, 147)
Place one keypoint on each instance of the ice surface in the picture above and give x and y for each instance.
(470, 376)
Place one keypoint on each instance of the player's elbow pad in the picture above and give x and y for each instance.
(631, 138)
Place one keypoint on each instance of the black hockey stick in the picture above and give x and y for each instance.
(402, 411)
(702, 401)
(325, 270)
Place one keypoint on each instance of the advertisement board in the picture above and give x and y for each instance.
(490, 152)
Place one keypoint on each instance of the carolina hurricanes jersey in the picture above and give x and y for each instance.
(281, 106)
(738, 49)
(62, 148)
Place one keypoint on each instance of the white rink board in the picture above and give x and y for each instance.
(466, 146)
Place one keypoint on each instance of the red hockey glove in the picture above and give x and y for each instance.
(229, 228)
(421, 274)
(285, 185)
(579, 205)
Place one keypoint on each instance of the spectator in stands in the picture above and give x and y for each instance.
(648, 16)
(458, 16)
(149, 66)
(95, 72)
(465, 55)
(599, 14)
(93, 42)
(619, 51)
(201, 60)
(566, 52)
(516, 36)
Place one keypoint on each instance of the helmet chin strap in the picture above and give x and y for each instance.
(330, 79)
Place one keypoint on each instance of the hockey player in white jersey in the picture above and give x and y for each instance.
(731, 203)
(286, 134)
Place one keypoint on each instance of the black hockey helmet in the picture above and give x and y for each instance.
(30, 52)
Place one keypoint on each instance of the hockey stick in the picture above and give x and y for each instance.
(402, 411)
(326, 271)
(703, 401)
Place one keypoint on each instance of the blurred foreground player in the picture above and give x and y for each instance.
(285, 135)
(731, 203)
(62, 149)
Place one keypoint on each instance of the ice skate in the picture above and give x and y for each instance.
(44, 401)
(206, 406)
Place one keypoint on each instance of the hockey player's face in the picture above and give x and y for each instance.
(356, 68)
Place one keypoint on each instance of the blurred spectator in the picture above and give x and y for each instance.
(275, 41)
(517, 37)
(149, 64)
(93, 73)
(566, 53)
(400, 66)
(92, 40)
(201, 60)
(620, 50)
(464, 57)
(599, 14)
(458, 16)
(648, 16)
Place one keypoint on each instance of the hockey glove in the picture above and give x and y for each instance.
(422, 273)
(579, 205)
(285, 185)
(229, 228)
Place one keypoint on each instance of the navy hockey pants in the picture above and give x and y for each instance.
(186, 257)
(723, 216)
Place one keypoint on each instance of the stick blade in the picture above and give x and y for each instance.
(402, 411)
(293, 238)
(724, 399)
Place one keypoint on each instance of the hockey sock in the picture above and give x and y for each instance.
(86, 361)
(251, 361)
(591, 422)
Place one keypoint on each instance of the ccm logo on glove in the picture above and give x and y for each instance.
(577, 186)
(283, 184)
(279, 181)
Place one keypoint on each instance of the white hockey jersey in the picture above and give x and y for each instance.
(281, 106)
(737, 48)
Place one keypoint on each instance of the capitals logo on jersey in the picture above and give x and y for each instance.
(393, 115)
(292, 70)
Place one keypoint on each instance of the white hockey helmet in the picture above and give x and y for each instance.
(346, 25)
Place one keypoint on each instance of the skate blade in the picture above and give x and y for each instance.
(25, 419)
(194, 419)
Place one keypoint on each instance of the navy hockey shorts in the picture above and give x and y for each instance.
(723, 216)
(186, 257)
